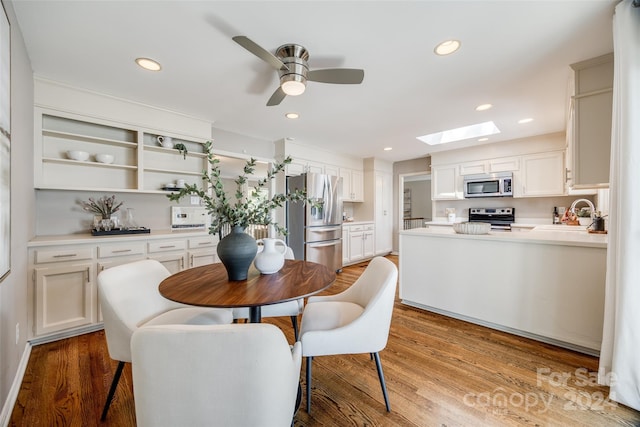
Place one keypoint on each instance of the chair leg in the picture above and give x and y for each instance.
(309, 360)
(112, 390)
(382, 383)
(294, 322)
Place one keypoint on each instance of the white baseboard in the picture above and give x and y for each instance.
(7, 408)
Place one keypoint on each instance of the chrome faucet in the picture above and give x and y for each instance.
(588, 202)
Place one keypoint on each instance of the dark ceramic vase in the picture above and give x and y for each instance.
(236, 251)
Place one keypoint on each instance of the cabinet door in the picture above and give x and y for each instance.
(592, 144)
(368, 244)
(505, 164)
(313, 167)
(345, 245)
(347, 194)
(356, 250)
(295, 168)
(331, 170)
(444, 183)
(542, 174)
(472, 168)
(198, 258)
(65, 297)
(174, 262)
(383, 218)
(357, 186)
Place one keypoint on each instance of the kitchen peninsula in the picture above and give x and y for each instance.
(546, 285)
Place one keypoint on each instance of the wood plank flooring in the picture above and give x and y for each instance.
(439, 371)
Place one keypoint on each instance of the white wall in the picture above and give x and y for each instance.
(13, 290)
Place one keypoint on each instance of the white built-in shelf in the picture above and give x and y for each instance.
(87, 138)
(87, 163)
(174, 172)
(173, 151)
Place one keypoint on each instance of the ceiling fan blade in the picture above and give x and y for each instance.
(260, 52)
(276, 98)
(337, 75)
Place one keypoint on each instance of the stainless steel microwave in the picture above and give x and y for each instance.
(488, 185)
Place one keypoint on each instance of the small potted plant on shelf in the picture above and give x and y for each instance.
(237, 249)
(103, 207)
(182, 149)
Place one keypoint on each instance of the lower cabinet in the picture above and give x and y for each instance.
(65, 296)
(65, 285)
(361, 243)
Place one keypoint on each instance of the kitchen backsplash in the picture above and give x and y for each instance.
(536, 210)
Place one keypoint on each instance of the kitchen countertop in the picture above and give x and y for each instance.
(545, 234)
(83, 238)
(356, 222)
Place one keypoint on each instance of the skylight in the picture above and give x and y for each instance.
(459, 134)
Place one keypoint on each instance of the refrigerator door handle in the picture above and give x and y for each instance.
(324, 229)
(321, 245)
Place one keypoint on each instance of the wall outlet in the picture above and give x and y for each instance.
(17, 333)
(195, 200)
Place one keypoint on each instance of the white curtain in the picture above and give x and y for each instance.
(620, 353)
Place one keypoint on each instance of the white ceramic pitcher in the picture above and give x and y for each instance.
(270, 257)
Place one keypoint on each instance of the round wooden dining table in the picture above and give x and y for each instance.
(209, 286)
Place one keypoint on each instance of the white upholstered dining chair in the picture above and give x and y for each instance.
(354, 321)
(221, 375)
(129, 298)
(289, 308)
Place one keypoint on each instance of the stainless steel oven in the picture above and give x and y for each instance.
(488, 185)
(499, 218)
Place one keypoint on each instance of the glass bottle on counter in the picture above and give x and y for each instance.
(556, 215)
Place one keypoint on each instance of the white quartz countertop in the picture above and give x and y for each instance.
(83, 238)
(545, 234)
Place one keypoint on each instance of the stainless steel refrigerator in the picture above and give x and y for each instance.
(315, 228)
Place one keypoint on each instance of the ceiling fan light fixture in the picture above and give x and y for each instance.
(293, 87)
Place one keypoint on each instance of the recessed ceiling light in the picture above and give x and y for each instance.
(148, 64)
(292, 115)
(483, 107)
(527, 120)
(447, 47)
(483, 139)
(388, 148)
(459, 134)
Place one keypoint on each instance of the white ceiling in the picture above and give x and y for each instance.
(515, 54)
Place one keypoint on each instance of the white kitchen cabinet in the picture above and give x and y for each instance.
(64, 275)
(504, 164)
(300, 166)
(140, 163)
(473, 168)
(383, 202)
(345, 245)
(170, 253)
(332, 170)
(445, 183)
(352, 185)
(361, 242)
(541, 175)
(64, 289)
(202, 251)
(590, 142)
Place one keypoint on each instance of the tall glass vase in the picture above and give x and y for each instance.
(236, 251)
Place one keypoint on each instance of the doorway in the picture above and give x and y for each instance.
(415, 205)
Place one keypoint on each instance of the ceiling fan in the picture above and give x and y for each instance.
(291, 62)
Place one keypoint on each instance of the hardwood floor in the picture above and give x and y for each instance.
(439, 372)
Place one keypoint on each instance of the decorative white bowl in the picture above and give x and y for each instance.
(104, 158)
(78, 155)
(472, 227)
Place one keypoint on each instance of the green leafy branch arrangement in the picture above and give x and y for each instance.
(247, 210)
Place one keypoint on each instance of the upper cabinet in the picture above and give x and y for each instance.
(352, 185)
(541, 175)
(590, 144)
(446, 183)
(120, 157)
